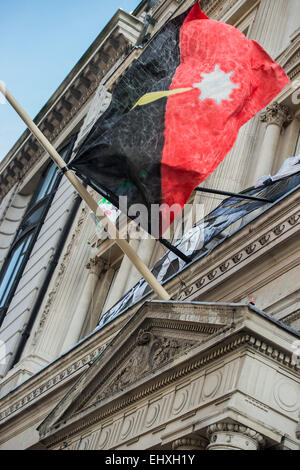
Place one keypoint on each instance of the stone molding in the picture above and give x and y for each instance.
(45, 386)
(255, 342)
(277, 114)
(74, 366)
(291, 318)
(160, 351)
(71, 96)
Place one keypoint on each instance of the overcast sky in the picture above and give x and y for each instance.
(40, 42)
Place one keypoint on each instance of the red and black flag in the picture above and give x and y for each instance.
(176, 113)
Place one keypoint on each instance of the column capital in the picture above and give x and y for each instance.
(188, 443)
(96, 266)
(277, 114)
(232, 436)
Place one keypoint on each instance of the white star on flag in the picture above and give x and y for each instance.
(216, 85)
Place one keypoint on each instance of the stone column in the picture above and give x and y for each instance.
(187, 443)
(230, 436)
(276, 116)
(94, 266)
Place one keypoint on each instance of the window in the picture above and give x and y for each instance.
(28, 231)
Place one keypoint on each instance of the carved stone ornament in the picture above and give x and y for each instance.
(151, 352)
(232, 436)
(96, 265)
(156, 335)
(278, 114)
(117, 398)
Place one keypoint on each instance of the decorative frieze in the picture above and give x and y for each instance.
(291, 318)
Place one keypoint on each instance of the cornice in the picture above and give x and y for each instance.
(136, 322)
(291, 318)
(112, 44)
(32, 396)
(54, 375)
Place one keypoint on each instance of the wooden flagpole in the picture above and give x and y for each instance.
(92, 204)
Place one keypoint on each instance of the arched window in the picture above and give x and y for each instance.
(28, 231)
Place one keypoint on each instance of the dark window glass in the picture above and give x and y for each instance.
(27, 233)
(13, 267)
(48, 183)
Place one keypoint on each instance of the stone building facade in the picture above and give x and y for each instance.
(207, 370)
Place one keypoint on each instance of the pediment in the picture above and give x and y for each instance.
(148, 353)
(158, 336)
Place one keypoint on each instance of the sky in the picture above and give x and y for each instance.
(40, 42)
